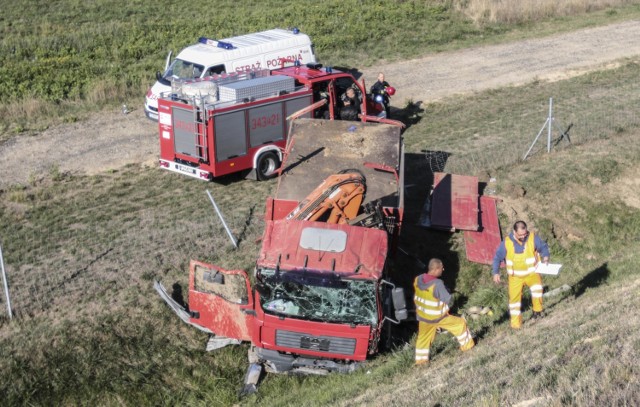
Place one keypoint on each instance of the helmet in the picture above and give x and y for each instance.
(379, 99)
(390, 90)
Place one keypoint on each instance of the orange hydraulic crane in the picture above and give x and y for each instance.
(336, 200)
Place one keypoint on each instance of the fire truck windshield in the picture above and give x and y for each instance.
(180, 69)
(319, 298)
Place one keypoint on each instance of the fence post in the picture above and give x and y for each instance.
(548, 122)
(550, 125)
(6, 285)
(233, 240)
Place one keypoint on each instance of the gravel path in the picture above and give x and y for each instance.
(557, 57)
(110, 140)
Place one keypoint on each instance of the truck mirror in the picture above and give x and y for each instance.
(401, 314)
(397, 296)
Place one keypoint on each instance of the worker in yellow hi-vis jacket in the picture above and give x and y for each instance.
(432, 310)
(521, 251)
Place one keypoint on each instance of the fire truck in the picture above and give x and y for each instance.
(320, 298)
(222, 124)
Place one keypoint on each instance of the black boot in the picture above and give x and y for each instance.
(537, 315)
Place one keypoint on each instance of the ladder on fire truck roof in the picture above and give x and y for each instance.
(200, 119)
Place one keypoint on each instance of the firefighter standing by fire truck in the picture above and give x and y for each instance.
(521, 251)
(432, 302)
(381, 90)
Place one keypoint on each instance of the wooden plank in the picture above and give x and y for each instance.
(481, 245)
(454, 202)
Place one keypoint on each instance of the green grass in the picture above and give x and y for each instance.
(90, 329)
(59, 61)
(82, 251)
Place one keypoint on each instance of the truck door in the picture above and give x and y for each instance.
(341, 85)
(325, 90)
(221, 300)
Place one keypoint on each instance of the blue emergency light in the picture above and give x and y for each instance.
(295, 30)
(328, 69)
(219, 44)
(225, 45)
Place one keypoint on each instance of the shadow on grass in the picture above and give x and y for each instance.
(594, 279)
(417, 244)
(177, 295)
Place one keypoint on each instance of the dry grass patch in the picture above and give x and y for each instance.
(520, 11)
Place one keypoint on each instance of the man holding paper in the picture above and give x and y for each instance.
(521, 252)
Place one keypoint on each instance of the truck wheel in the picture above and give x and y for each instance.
(267, 165)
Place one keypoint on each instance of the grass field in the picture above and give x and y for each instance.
(89, 328)
(82, 251)
(59, 61)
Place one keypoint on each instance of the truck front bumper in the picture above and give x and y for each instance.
(276, 362)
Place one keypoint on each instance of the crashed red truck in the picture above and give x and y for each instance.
(321, 298)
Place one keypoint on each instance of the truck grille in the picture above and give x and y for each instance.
(329, 344)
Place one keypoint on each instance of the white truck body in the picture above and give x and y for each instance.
(270, 49)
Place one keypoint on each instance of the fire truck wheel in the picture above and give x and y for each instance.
(267, 165)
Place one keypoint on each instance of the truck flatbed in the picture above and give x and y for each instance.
(324, 147)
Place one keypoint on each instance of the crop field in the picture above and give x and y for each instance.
(82, 251)
(61, 60)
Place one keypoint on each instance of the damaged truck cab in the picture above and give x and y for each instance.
(318, 301)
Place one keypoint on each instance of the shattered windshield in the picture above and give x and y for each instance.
(180, 69)
(319, 298)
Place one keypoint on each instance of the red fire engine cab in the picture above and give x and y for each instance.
(214, 126)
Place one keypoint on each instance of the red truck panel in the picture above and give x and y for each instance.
(481, 245)
(454, 202)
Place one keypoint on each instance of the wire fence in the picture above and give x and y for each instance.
(479, 141)
(115, 264)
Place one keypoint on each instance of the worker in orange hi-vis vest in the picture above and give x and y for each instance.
(521, 252)
(432, 310)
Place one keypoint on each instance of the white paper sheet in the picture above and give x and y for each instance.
(550, 269)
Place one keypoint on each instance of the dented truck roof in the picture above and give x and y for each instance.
(344, 250)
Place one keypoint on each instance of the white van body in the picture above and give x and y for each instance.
(263, 50)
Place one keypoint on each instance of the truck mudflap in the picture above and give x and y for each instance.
(276, 362)
(215, 341)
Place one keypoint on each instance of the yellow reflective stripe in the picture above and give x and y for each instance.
(530, 260)
(430, 312)
(422, 351)
(536, 287)
(422, 357)
(464, 338)
(514, 312)
(515, 304)
(509, 262)
(522, 273)
(427, 302)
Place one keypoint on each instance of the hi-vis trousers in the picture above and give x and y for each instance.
(534, 282)
(427, 333)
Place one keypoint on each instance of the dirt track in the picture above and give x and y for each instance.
(111, 140)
